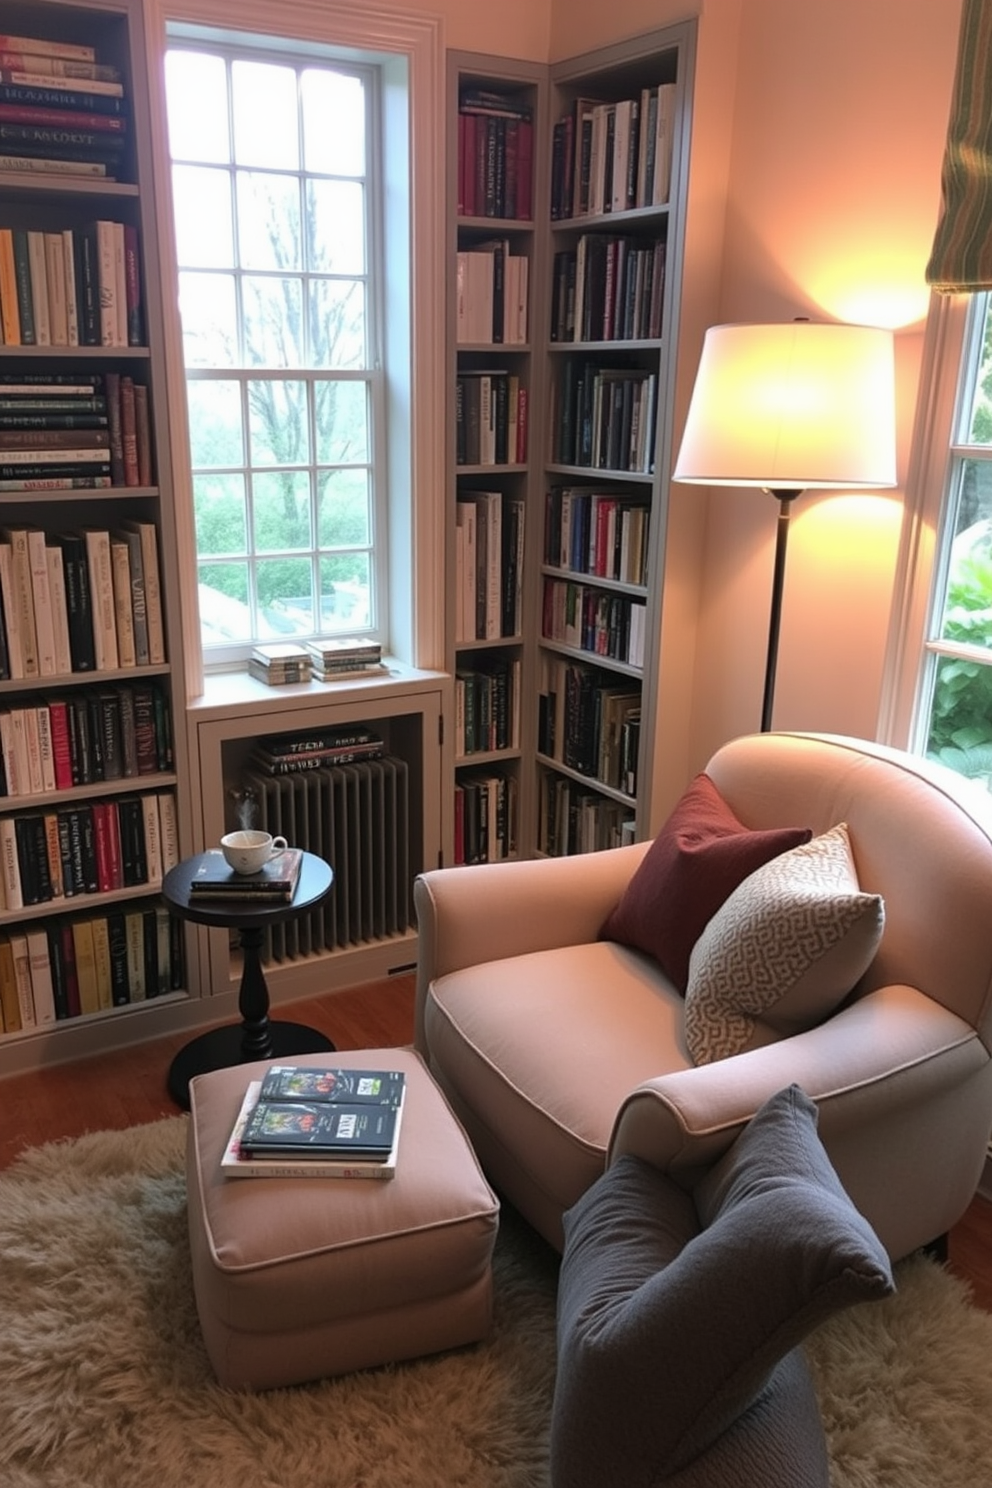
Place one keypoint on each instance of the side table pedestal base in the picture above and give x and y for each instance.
(221, 1047)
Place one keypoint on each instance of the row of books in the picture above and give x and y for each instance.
(574, 820)
(605, 417)
(66, 968)
(489, 550)
(87, 847)
(73, 287)
(589, 724)
(613, 156)
(82, 601)
(608, 288)
(288, 754)
(490, 418)
(85, 737)
(61, 109)
(491, 295)
(485, 817)
(597, 533)
(495, 155)
(87, 433)
(487, 706)
(594, 620)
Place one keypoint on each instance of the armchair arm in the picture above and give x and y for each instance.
(467, 916)
(892, 1049)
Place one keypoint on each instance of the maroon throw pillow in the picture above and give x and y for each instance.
(696, 861)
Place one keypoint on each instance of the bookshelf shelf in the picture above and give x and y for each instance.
(90, 662)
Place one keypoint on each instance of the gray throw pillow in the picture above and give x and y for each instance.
(676, 1310)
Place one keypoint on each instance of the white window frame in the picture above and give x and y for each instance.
(415, 293)
(197, 39)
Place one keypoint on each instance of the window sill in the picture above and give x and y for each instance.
(233, 693)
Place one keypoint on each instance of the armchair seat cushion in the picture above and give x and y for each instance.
(502, 1031)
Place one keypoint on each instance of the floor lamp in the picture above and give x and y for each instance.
(791, 408)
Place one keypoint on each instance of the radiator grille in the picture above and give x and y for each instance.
(356, 817)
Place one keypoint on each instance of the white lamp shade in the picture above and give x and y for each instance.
(797, 406)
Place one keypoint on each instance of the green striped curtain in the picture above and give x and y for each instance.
(961, 259)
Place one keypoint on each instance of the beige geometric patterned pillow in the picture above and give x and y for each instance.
(783, 951)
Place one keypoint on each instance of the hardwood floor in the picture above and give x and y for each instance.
(127, 1088)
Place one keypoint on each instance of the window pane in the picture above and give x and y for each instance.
(202, 197)
(343, 513)
(345, 593)
(980, 424)
(269, 232)
(266, 127)
(337, 323)
(200, 132)
(219, 508)
(278, 427)
(341, 423)
(336, 227)
(273, 322)
(967, 613)
(281, 506)
(333, 123)
(285, 596)
(961, 716)
(210, 320)
(215, 428)
(225, 615)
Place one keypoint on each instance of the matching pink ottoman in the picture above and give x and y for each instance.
(297, 1278)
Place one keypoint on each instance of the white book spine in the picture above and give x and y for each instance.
(102, 590)
(60, 612)
(42, 601)
(107, 281)
(123, 611)
(168, 831)
(42, 989)
(153, 838)
(9, 864)
(22, 977)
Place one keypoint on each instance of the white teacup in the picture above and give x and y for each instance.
(247, 852)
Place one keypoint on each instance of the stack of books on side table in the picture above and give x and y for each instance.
(216, 882)
(302, 1122)
(279, 662)
(341, 658)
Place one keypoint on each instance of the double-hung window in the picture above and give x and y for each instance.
(951, 559)
(276, 183)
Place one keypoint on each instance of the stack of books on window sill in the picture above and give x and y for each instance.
(280, 662)
(342, 658)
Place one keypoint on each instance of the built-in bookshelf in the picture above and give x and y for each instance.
(497, 182)
(90, 750)
(582, 522)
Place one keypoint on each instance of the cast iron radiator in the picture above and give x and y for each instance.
(357, 818)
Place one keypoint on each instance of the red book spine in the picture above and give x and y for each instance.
(129, 432)
(101, 835)
(16, 113)
(58, 714)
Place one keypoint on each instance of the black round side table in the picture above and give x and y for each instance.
(257, 1036)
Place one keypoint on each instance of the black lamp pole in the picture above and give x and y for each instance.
(785, 500)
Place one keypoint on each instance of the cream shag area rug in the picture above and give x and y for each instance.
(104, 1382)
